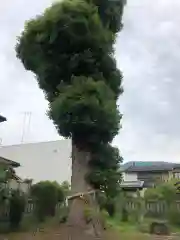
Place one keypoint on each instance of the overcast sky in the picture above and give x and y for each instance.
(148, 53)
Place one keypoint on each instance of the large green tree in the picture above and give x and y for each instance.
(70, 49)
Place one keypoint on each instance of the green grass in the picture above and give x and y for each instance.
(134, 231)
(121, 226)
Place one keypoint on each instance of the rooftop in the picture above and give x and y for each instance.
(9, 162)
(148, 166)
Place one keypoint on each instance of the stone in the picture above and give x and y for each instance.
(159, 228)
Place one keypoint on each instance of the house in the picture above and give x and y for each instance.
(8, 167)
(150, 172)
(42, 160)
(5, 165)
(142, 175)
(13, 183)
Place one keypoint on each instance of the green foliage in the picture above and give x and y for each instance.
(65, 187)
(110, 207)
(17, 206)
(106, 175)
(125, 215)
(7, 173)
(173, 215)
(164, 191)
(70, 49)
(88, 214)
(46, 195)
(104, 215)
(81, 108)
(107, 203)
(63, 214)
(64, 42)
(111, 13)
(152, 194)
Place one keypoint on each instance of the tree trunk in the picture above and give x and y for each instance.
(80, 200)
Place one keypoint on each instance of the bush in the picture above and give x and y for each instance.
(104, 217)
(110, 207)
(174, 216)
(63, 214)
(46, 195)
(17, 206)
(165, 191)
(124, 215)
(107, 204)
(88, 214)
(153, 194)
(143, 227)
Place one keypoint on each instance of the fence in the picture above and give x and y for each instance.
(151, 208)
(29, 209)
(154, 208)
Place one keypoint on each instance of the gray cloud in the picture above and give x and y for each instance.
(150, 46)
(148, 52)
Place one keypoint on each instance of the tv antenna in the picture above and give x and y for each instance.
(27, 116)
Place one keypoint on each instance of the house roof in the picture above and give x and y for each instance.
(2, 119)
(148, 166)
(9, 162)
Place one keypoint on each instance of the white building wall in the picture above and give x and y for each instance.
(13, 184)
(129, 176)
(16, 185)
(41, 161)
(24, 187)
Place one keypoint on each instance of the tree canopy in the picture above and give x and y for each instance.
(70, 48)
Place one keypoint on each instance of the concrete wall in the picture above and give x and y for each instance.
(41, 161)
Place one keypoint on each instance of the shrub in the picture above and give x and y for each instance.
(174, 216)
(165, 191)
(143, 227)
(104, 217)
(110, 208)
(153, 194)
(107, 204)
(17, 206)
(46, 195)
(88, 214)
(124, 215)
(63, 214)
